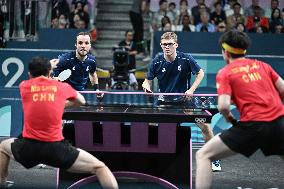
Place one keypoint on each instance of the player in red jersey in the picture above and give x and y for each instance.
(258, 92)
(43, 102)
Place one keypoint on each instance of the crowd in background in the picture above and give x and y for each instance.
(218, 17)
(27, 16)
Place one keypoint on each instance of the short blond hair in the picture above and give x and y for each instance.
(169, 35)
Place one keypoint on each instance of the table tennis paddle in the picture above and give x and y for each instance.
(65, 74)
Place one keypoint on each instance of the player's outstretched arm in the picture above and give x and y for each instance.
(78, 101)
(224, 102)
(195, 84)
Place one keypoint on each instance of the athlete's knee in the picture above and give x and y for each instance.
(202, 154)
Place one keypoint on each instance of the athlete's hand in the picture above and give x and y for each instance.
(189, 94)
(54, 63)
(100, 95)
(146, 87)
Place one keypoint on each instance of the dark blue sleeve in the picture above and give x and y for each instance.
(62, 65)
(93, 64)
(151, 68)
(193, 65)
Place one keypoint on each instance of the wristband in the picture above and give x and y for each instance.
(96, 87)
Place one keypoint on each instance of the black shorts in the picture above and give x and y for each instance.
(30, 152)
(248, 137)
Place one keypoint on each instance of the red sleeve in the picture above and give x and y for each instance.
(223, 84)
(273, 74)
(69, 92)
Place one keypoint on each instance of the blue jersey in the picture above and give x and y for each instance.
(80, 69)
(173, 77)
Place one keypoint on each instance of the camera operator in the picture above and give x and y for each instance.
(130, 46)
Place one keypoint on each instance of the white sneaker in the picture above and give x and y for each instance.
(41, 166)
(216, 166)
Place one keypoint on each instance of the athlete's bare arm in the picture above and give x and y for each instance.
(280, 87)
(94, 78)
(78, 101)
(224, 102)
(196, 83)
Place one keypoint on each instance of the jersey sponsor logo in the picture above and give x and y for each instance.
(163, 70)
(87, 69)
(73, 68)
(179, 68)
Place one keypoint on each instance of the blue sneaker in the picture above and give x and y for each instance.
(216, 166)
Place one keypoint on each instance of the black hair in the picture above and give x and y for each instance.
(39, 66)
(128, 31)
(235, 39)
(162, 1)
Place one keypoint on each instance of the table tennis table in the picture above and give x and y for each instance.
(122, 135)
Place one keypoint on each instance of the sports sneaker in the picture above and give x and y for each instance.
(7, 184)
(216, 166)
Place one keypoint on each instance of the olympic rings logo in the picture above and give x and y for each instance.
(200, 120)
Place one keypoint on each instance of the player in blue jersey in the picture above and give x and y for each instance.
(80, 62)
(173, 69)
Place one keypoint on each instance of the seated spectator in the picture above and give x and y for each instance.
(201, 8)
(257, 20)
(131, 47)
(79, 11)
(229, 8)
(273, 5)
(236, 17)
(75, 22)
(218, 15)
(166, 24)
(241, 27)
(55, 23)
(157, 17)
(279, 29)
(249, 11)
(172, 13)
(186, 25)
(221, 27)
(183, 10)
(63, 22)
(196, 10)
(275, 19)
(84, 3)
(59, 7)
(261, 29)
(205, 25)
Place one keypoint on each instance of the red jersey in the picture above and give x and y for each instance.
(251, 85)
(43, 102)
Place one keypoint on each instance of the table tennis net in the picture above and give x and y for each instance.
(146, 100)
